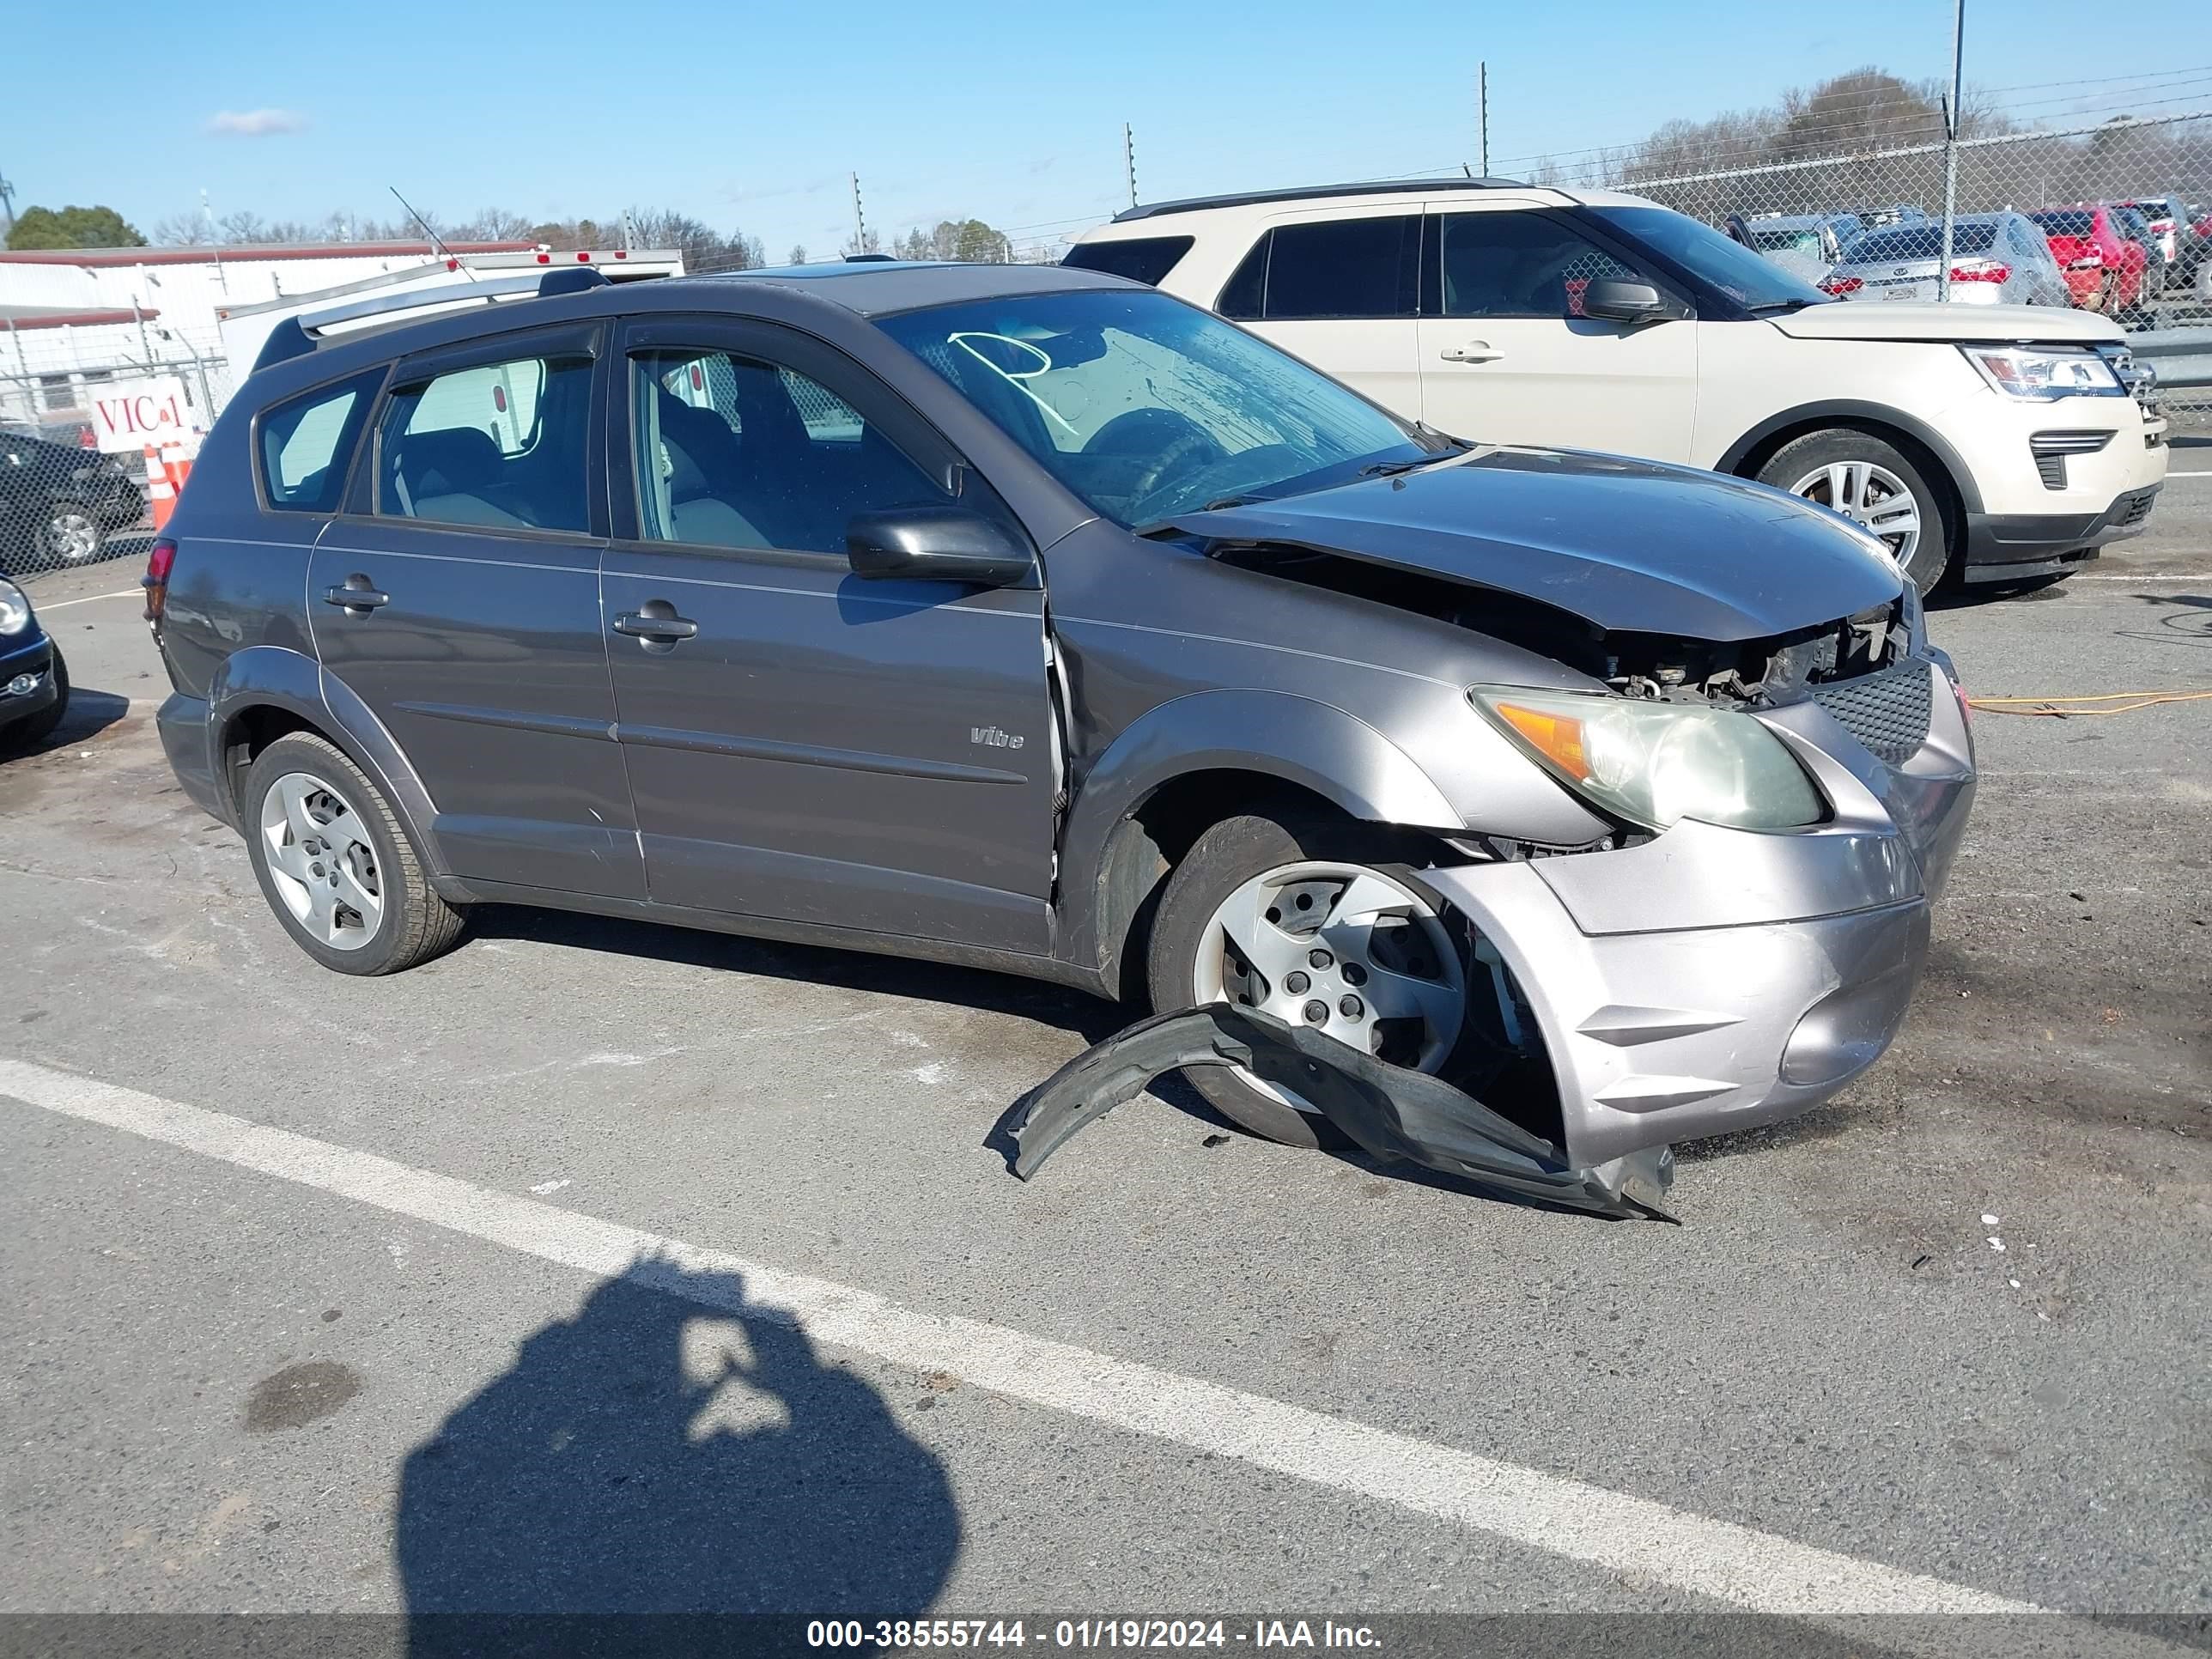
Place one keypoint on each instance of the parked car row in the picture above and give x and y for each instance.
(2109, 257)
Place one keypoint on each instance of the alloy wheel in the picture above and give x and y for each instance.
(1874, 495)
(71, 536)
(321, 861)
(1344, 949)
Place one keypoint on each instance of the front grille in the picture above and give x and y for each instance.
(1888, 711)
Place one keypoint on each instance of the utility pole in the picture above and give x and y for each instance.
(1951, 142)
(7, 207)
(1482, 112)
(859, 220)
(1129, 160)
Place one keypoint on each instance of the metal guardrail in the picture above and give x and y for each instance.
(2183, 356)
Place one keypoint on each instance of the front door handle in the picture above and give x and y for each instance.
(357, 598)
(1475, 351)
(655, 625)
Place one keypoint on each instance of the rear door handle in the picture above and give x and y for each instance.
(1475, 351)
(666, 630)
(356, 596)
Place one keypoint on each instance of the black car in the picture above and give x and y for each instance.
(34, 682)
(58, 502)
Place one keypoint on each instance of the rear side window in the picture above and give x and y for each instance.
(1145, 259)
(306, 444)
(1521, 264)
(1342, 268)
(500, 445)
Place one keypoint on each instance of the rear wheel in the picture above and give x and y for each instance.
(334, 863)
(71, 535)
(1872, 481)
(1311, 919)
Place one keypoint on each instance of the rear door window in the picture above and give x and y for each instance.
(1521, 264)
(1331, 269)
(496, 446)
(305, 445)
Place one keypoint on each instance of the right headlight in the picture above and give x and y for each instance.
(2042, 373)
(14, 609)
(1655, 763)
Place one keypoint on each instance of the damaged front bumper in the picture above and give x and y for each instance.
(1712, 980)
(1706, 980)
(1394, 1114)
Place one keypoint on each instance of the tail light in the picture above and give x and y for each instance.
(1841, 285)
(155, 581)
(1981, 271)
(86, 439)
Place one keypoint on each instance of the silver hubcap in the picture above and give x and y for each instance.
(1342, 949)
(72, 536)
(1874, 495)
(321, 861)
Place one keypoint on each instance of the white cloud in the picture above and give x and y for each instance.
(256, 123)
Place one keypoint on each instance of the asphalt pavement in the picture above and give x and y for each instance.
(598, 1267)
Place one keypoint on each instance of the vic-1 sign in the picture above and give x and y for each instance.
(128, 414)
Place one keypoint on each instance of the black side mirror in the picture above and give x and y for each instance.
(1633, 303)
(941, 544)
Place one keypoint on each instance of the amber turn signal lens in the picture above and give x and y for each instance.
(1557, 737)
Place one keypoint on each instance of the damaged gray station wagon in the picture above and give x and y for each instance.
(1029, 619)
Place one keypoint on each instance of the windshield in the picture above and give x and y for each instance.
(2064, 223)
(1921, 242)
(1146, 407)
(1746, 276)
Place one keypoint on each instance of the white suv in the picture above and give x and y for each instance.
(2009, 442)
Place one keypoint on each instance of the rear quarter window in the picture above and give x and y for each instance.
(307, 443)
(1146, 259)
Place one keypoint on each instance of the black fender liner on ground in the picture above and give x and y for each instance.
(1393, 1113)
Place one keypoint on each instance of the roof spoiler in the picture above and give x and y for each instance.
(296, 336)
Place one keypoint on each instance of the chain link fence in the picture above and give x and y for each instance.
(64, 500)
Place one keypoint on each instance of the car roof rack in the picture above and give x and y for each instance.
(1308, 192)
(296, 336)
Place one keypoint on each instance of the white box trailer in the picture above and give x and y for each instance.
(245, 329)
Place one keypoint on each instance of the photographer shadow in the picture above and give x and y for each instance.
(653, 1472)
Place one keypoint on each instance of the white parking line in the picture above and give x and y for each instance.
(64, 605)
(1752, 1570)
(2189, 475)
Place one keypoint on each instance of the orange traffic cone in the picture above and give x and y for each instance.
(177, 463)
(161, 494)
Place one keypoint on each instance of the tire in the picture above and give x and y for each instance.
(1804, 467)
(70, 536)
(30, 733)
(1241, 851)
(352, 850)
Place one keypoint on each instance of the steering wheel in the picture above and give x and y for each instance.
(1161, 439)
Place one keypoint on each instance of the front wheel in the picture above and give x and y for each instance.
(1868, 479)
(1311, 919)
(334, 865)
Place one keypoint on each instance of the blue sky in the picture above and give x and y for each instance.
(753, 116)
